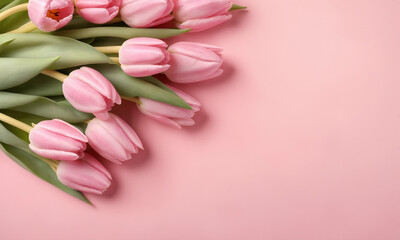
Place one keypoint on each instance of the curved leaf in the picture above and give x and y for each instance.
(41, 85)
(12, 74)
(120, 32)
(43, 107)
(129, 86)
(72, 53)
(4, 44)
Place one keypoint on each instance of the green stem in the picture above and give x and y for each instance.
(28, 27)
(14, 122)
(13, 10)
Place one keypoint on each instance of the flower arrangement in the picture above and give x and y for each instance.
(65, 64)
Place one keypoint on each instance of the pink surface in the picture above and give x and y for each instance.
(299, 140)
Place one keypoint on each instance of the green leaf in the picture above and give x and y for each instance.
(41, 85)
(18, 151)
(3, 4)
(237, 7)
(129, 86)
(120, 32)
(12, 74)
(4, 44)
(72, 53)
(43, 107)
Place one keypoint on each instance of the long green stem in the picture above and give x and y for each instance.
(14, 122)
(13, 10)
(28, 27)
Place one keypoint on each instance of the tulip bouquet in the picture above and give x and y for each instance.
(64, 64)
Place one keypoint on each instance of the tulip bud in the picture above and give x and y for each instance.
(89, 91)
(146, 13)
(194, 62)
(168, 114)
(140, 57)
(113, 139)
(99, 11)
(201, 15)
(58, 140)
(85, 175)
(50, 15)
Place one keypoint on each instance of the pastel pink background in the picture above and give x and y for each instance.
(299, 140)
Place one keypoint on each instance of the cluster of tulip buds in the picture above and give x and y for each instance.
(89, 91)
(50, 15)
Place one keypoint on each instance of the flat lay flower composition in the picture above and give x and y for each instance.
(65, 64)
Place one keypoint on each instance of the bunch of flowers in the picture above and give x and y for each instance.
(65, 64)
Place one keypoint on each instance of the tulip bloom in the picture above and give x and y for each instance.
(146, 13)
(89, 91)
(99, 11)
(85, 175)
(194, 62)
(113, 139)
(140, 57)
(168, 114)
(50, 15)
(201, 15)
(58, 140)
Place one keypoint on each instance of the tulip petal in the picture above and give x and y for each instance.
(139, 54)
(193, 9)
(105, 144)
(128, 131)
(144, 70)
(202, 52)
(186, 122)
(89, 159)
(197, 25)
(143, 13)
(164, 109)
(82, 96)
(159, 118)
(54, 154)
(63, 128)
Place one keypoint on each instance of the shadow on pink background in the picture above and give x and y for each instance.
(299, 140)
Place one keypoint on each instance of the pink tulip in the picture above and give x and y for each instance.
(50, 15)
(168, 114)
(199, 15)
(146, 13)
(194, 62)
(113, 139)
(85, 175)
(140, 57)
(89, 91)
(58, 140)
(98, 11)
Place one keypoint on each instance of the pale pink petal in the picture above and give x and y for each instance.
(54, 154)
(197, 25)
(63, 128)
(144, 70)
